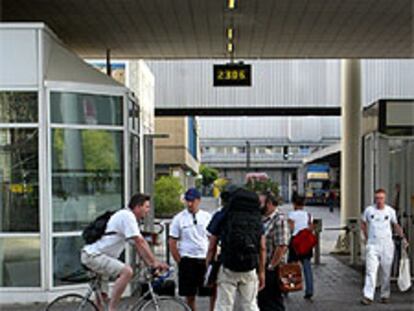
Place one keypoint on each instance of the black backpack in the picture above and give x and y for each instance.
(242, 231)
(96, 229)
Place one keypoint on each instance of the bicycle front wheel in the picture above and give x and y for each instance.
(164, 304)
(71, 302)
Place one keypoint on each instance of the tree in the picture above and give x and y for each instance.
(209, 175)
(167, 200)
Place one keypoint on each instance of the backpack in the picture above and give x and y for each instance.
(96, 229)
(242, 231)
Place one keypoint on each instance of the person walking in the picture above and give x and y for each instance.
(188, 243)
(277, 239)
(378, 222)
(299, 219)
(102, 255)
(239, 230)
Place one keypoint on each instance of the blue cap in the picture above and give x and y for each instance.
(192, 194)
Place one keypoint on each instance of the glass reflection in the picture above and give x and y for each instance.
(75, 108)
(87, 176)
(19, 262)
(19, 184)
(18, 107)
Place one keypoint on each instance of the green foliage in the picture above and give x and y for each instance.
(260, 186)
(209, 175)
(168, 190)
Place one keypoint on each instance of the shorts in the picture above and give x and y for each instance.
(191, 272)
(102, 264)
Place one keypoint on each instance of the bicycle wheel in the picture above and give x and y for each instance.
(71, 302)
(163, 304)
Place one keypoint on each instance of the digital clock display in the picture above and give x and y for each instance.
(232, 75)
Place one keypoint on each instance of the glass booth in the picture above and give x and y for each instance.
(69, 150)
(388, 158)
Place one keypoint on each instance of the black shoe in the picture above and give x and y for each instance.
(308, 297)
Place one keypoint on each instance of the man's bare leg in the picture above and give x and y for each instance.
(119, 287)
(191, 302)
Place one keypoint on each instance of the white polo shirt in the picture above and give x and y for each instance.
(125, 224)
(191, 232)
(379, 223)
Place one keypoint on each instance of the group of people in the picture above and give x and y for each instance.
(248, 238)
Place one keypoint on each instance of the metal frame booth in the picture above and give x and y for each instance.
(69, 150)
(388, 158)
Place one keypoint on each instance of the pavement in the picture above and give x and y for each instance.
(337, 285)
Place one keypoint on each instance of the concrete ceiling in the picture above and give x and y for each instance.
(196, 28)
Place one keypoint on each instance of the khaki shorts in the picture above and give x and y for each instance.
(102, 264)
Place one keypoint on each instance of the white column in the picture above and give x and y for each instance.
(351, 139)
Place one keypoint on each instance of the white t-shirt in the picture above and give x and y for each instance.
(192, 238)
(301, 220)
(379, 223)
(125, 224)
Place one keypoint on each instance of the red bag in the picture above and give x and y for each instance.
(304, 242)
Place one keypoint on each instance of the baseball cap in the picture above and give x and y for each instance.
(192, 194)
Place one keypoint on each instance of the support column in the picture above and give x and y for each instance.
(350, 144)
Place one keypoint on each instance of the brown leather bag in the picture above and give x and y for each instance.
(290, 277)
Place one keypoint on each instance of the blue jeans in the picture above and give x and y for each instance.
(307, 272)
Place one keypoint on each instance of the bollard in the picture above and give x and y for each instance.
(354, 239)
(317, 227)
(167, 246)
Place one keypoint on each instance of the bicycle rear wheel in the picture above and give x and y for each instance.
(163, 304)
(71, 302)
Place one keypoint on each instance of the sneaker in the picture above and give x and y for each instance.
(366, 301)
(308, 297)
(385, 300)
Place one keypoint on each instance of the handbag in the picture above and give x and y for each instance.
(290, 277)
(404, 275)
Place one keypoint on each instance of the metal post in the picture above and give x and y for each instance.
(108, 62)
(317, 225)
(167, 246)
(354, 241)
(247, 156)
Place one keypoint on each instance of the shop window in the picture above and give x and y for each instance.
(75, 108)
(20, 262)
(19, 180)
(87, 176)
(18, 107)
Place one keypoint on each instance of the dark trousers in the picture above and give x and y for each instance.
(270, 298)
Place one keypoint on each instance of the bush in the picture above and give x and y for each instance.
(260, 186)
(167, 201)
(209, 175)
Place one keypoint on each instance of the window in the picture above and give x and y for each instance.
(18, 107)
(87, 176)
(75, 108)
(19, 180)
(20, 262)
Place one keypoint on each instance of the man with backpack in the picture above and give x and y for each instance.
(107, 236)
(239, 229)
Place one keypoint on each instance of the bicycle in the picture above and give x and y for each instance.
(150, 301)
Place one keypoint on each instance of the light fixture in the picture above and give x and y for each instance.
(231, 4)
(230, 33)
(230, 47)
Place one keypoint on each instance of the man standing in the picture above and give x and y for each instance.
(239, 229)
(188, 243)
(102, 256)
(276, 232)
(377, 223)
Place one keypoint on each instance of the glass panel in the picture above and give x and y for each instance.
(74, 108)
(87, 176)
(18, 107)
(134, 165)
(19, 180)
(67, 267)
(19, 262)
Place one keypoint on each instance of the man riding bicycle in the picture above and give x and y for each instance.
(102, 256)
